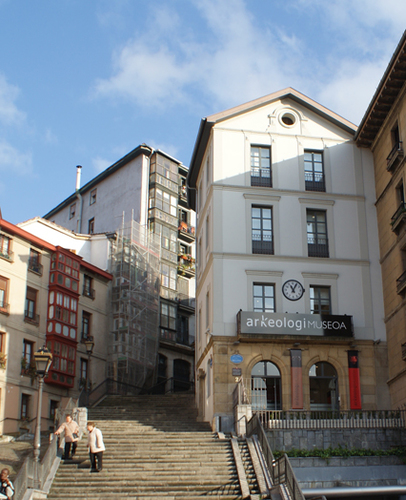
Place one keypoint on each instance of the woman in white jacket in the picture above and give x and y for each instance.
(96, 446)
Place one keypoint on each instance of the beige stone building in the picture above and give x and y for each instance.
(383, 131)
(48, 296)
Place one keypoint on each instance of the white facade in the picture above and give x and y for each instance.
(108, 198)
(92, 248)
(227, 268)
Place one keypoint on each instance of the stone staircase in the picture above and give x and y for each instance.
(155, 448)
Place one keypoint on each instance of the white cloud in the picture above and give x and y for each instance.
(100, 164)
(352, 89)
(9, 113)
(13, 160)
(50, 137)
(233, 58)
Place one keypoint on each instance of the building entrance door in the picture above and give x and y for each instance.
(323, 387)
(265, 387)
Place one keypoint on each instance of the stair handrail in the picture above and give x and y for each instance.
(280, 470)
(168, 386)
(110, 386)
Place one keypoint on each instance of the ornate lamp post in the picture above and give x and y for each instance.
(43, 361)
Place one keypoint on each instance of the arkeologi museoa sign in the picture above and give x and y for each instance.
(295, 324)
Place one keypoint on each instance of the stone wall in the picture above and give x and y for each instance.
(359, 472)
(375, 439)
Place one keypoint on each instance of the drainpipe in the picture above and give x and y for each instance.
(78, 176)
(353, 491)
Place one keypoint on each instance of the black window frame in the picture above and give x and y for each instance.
(314, 179)
(317, 301)
(263, 296)
(261, 176)
(317, 240)
(261, 245)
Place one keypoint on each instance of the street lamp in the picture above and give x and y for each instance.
(43, 361)
(89, 343)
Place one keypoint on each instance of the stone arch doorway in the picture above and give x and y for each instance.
(266, 393)
(323, 382)
(181, 375)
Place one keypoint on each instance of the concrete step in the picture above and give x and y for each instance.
(155, 448)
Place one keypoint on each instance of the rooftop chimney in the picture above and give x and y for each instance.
(78, 174)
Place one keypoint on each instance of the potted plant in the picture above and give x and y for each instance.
(3, 360)
(29, 368)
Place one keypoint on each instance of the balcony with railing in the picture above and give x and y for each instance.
(263, 246)
(32, 318)
(261, 177)
(395, 156)
(399, 217)
(35, 267)
(314, 181)
(4, 307)
(401, 283)
(186, 265)
(317, 247)
(186, 302)
(89, 292)
(7, 255)
(183, 196)
(186, 231)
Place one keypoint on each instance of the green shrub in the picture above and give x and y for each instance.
(343, 451)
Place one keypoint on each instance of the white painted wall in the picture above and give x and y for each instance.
(352, 270)
(123, 191)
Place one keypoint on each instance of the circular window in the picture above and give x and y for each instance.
(288, 119)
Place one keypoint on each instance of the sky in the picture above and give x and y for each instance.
(85, 82)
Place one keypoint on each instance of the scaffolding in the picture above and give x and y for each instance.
(135, 265)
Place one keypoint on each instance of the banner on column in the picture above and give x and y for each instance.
(296, 376)
(355, 385)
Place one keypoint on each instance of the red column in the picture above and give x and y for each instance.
(355, 385)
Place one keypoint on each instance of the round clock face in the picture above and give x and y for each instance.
(292, 290)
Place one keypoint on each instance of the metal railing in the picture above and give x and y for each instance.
(25, 478)
(8, 255)
(111, 387)
(35, 266)
(240, 394)
(280, 470)
(283, 474)
(396, 152)
(318, 249)
(400, 282)
(342, 419)
(171, 385)
(314, 181)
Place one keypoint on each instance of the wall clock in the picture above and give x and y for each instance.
(292, 290)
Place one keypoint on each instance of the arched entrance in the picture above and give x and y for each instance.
(181, 375)
(266, 387)
(323, 387)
